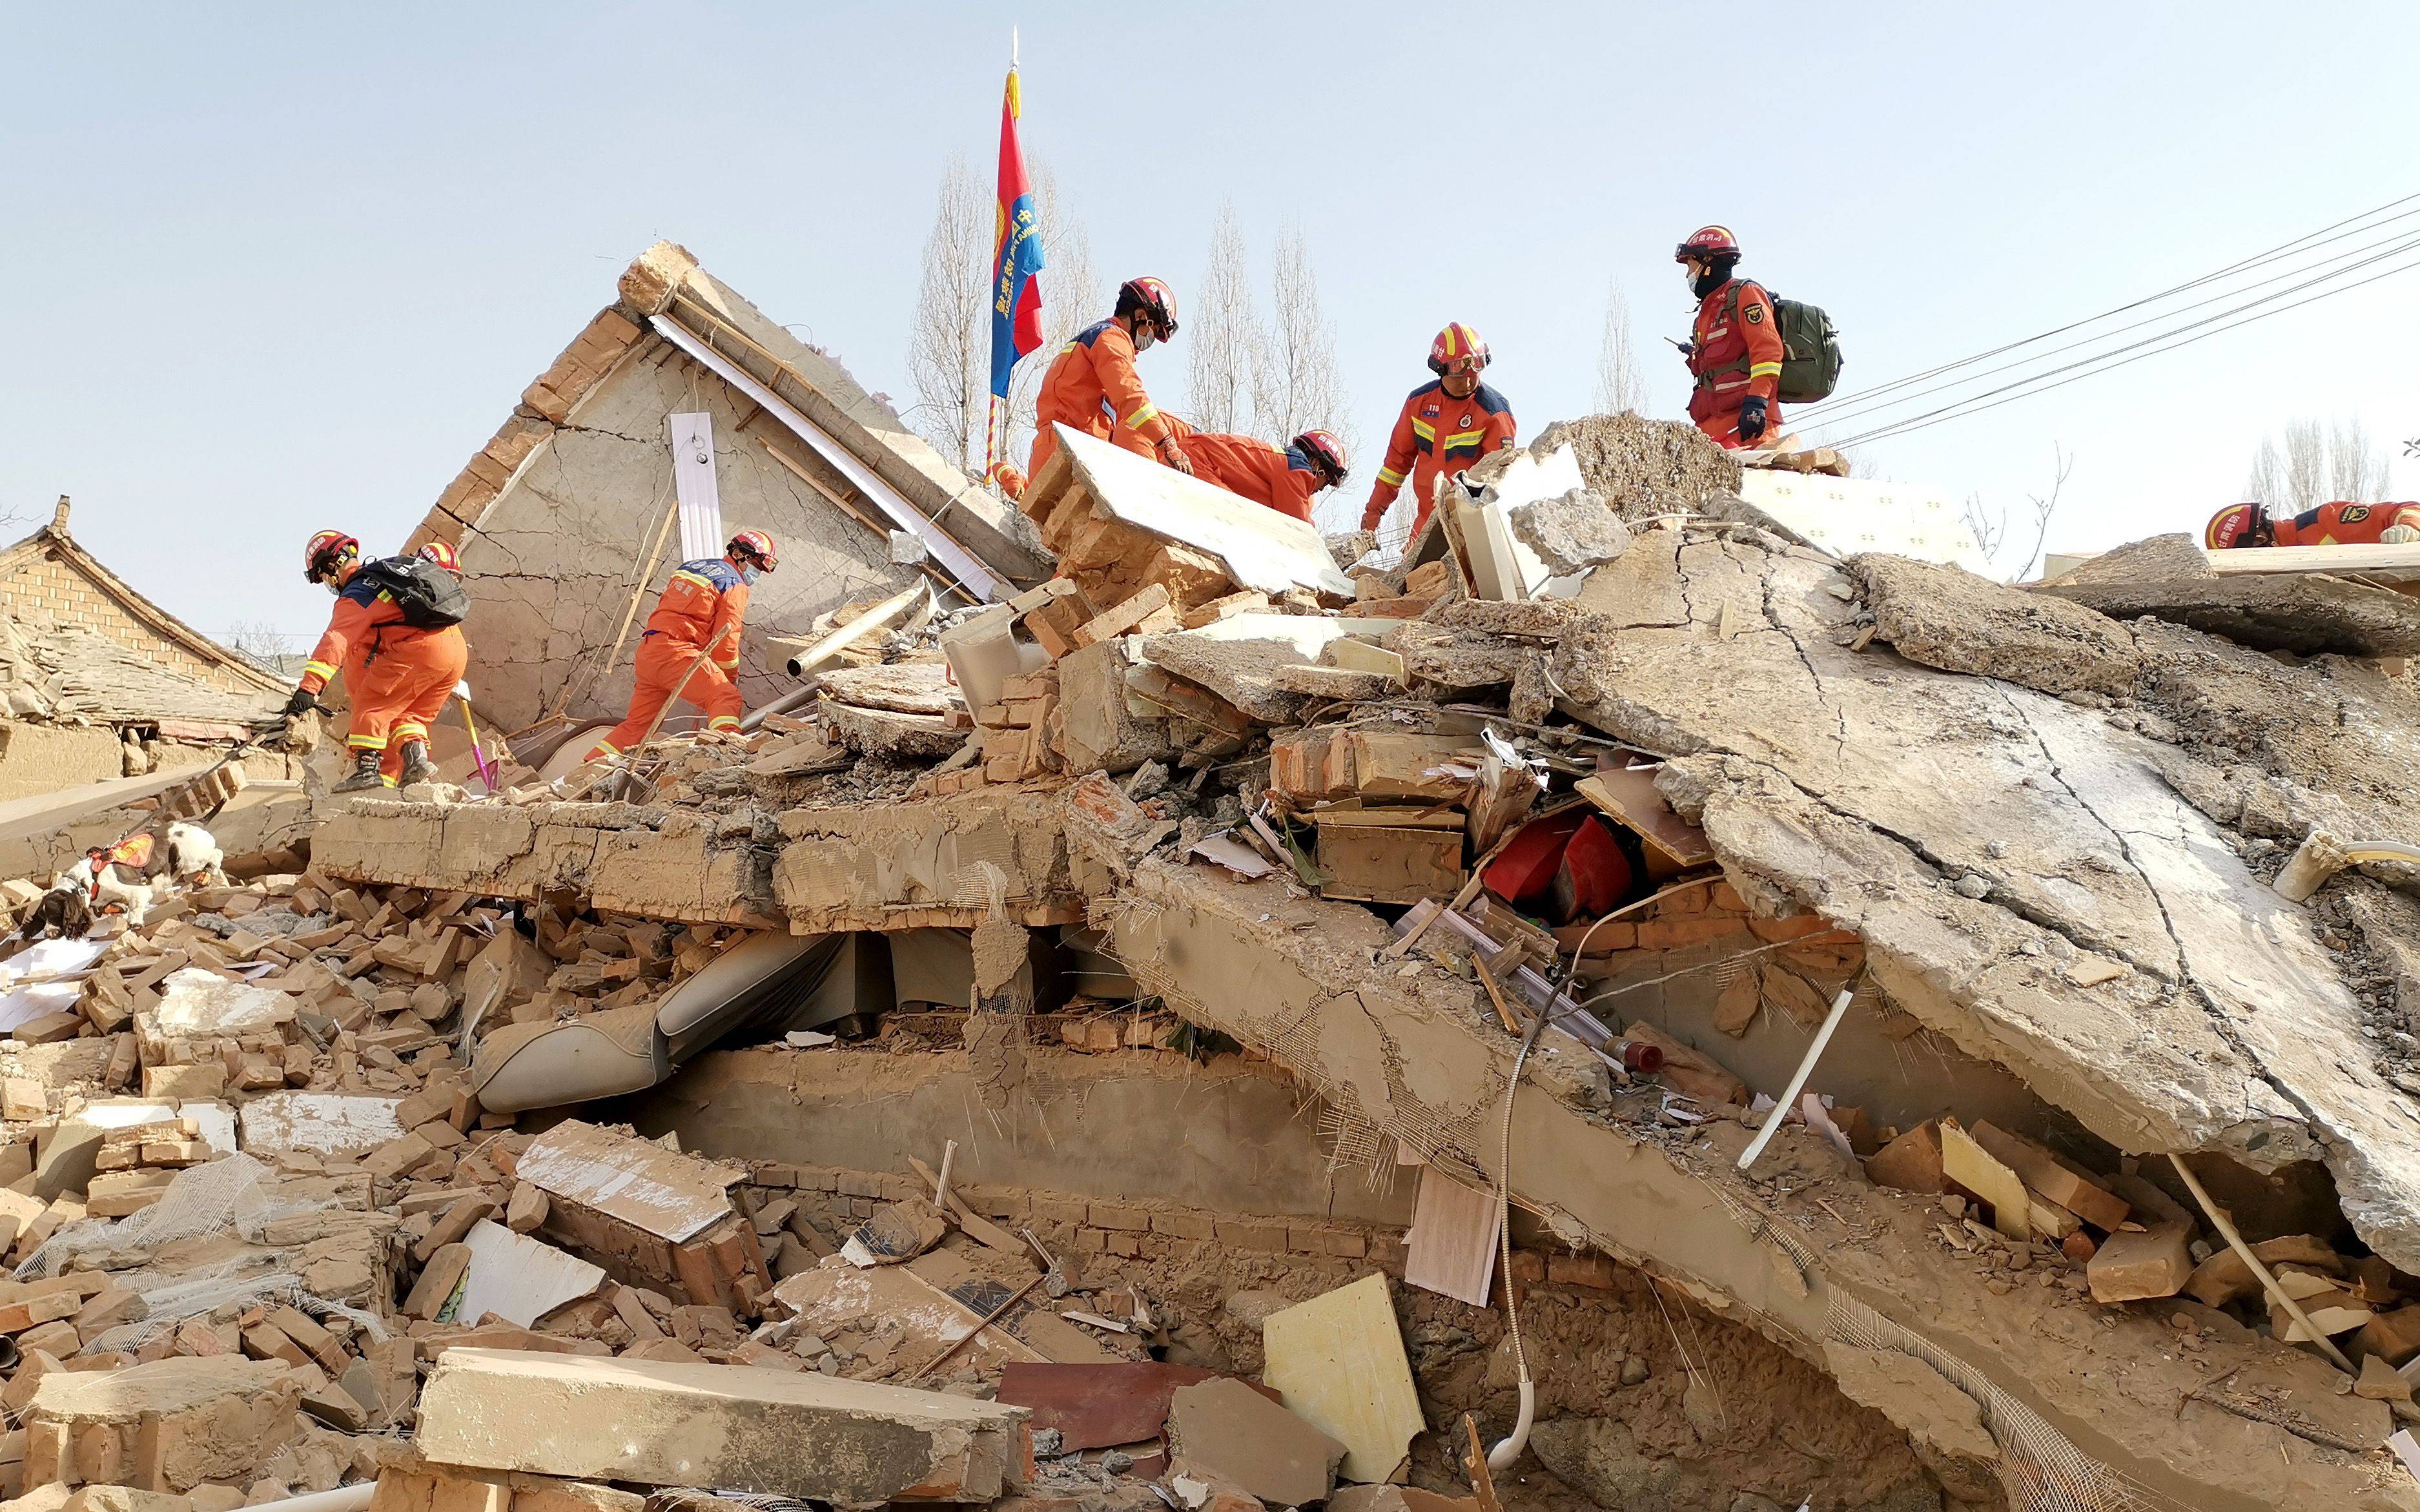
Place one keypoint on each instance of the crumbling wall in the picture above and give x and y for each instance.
(552, 565)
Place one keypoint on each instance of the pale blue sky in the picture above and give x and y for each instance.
(277, 268)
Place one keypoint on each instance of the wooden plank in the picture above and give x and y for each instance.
(1450, 1247)
(2394, 562)
(1630, 798)
(1389, 864)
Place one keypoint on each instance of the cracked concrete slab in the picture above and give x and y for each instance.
(1416, 1056)
(1881, 794)
(622, 857)
(2169, 578)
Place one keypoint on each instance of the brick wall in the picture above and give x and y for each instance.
(49, 589)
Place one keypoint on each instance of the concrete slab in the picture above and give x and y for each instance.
(773, 1432)
(2170, 577)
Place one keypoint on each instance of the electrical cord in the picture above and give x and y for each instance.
(1509, 1448)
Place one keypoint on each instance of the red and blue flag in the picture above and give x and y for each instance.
(1017, 259)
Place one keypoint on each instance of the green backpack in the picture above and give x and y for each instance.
(1810, 355)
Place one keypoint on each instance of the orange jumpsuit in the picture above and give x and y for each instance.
(399, 675)
(1092, 387)
(1446, 436)
(2346, 524)
(1738, 353)
(702, 606)
(1262, 472)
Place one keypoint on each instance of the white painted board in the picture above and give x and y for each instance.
(701, 501)
(1260, 548)
(519, 1279)
(330, 1124)
(1847, 516)
(980, 580)
(46, 977)
(641, 1184)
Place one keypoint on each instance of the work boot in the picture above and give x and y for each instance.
(365, 777)
(417, 767)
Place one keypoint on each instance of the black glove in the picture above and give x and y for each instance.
(1751, 420)
(301, 702)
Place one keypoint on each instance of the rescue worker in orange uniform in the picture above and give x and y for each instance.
(2336, 524)
(702, 609)
(1091, 385)
(399, 675)
(1736, 350)
(1446, 425)
(1285, 478)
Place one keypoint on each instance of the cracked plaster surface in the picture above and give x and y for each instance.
(1868, 787)
(551, 563)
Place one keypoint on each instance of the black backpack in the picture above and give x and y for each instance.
(430, 597)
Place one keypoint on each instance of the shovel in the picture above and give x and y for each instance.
(478, 757)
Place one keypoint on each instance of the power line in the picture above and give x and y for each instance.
(1971, 405)
(2242, 265)
(2395, 246)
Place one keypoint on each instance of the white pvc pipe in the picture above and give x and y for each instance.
(1508, 1449)
(1798, 1080)
(2321, 855)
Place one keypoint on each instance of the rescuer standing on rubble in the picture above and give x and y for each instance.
(1736, 350)
(397, 637)
(701, 610)
(1091, 385)
(1447, 425)
(2336, 524)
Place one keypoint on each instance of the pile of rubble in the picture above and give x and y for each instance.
(1863, 972)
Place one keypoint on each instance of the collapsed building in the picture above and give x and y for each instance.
(1218, 1019)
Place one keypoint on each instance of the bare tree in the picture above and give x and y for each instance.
(1297, 387)
(2307, 463)
(1296, 384)
(1991, 528)
(2317, 464)
(259, 641)
(2267, 483)
(2356, 467)
(1619, 385)
(1223, 338)
(2044, 506)
(1071, 300)
(949, 352)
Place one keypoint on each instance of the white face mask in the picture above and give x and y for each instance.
(1145, 338)
(749, 575)
(330, 583)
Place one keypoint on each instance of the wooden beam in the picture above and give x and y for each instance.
(2390, 563)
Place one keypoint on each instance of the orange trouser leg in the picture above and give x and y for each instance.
(437, 661)
(661, 663)
(1722, 427)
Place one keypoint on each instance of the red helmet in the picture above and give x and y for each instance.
(1456, 347)
(1154, 299)
(1707, 243)
(756, 545)
(1324, 448)
(2236, 525)
(443, 555)
(326, 549)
